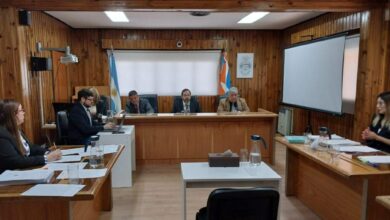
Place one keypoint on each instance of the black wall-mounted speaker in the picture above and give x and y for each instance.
(40, 64)
(24, 17)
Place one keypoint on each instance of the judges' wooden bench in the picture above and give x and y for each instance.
(174, 138)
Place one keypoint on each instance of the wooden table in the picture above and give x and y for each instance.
(343, 188)
(94, 197)
(174, 138)
(200, 175)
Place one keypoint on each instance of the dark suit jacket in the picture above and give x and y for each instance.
(80, 128)
(144, 107)
(179, 107)
(9, 155)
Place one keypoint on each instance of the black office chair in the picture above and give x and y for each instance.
(219, 98)
(62, 127)
(152, 98)
(241, 204)
(177, 99)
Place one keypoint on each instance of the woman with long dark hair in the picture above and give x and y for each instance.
(16, 152)
(378, 134)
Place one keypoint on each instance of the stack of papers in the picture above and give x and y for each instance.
(108, 149)
(357, 149)
(296, 139)
(339, 142)
(64, 190)
(12, 177)
(334, 137)
(375, 159)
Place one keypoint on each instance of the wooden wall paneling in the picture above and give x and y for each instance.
(262, 91)
(226, 5)
(61, 80)
(373, 72)
(187, 148)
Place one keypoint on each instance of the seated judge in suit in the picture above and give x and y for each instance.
(81, 125)
(233, 103)
(16, 151)
(137, 105)
(186, 104)
(378, 134)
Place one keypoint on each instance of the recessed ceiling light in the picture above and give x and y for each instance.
(199, 13)
(252, 17)
(117, 16)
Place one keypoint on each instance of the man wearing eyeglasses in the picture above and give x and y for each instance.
(81, 125)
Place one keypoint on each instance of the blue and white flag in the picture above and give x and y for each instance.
(114, 86)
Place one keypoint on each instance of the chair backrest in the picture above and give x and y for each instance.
(152, 98)
(219, 97)
(248, 204)
(62, 127)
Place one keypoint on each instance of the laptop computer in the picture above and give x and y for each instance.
(117, 129)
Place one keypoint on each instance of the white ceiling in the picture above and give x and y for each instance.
(181, 20)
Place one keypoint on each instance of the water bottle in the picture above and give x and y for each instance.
(96, 158)
(255, 153)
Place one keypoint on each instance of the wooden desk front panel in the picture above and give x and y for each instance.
(340, 190)
(191, 139)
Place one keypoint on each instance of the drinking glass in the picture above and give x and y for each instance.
(243, 156)
(73, 173)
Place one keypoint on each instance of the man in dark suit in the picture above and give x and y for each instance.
(81, 125)
(136, 105)
(186, 104)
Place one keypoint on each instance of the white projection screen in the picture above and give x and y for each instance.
(313, 75)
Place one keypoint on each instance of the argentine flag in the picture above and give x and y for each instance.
(224, 75)
(114, 86)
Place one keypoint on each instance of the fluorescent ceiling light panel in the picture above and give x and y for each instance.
(117, 16)
(252, 17)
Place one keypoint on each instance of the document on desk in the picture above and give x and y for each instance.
(72, 151)
(343, 142)
(17, 177)
(68, 158)
(108, 149)
(85, 173)
(63, 190)
(375, 159)
(62, 166)
(357, 149)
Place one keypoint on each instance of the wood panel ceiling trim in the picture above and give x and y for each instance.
(219, 5)
(164, 44)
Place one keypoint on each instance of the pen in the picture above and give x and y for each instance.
(54, 145)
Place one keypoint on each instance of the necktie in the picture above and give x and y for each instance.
(187, 108)
(89, 116)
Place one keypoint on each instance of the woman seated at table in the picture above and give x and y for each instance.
(378, 134)
(16, 152)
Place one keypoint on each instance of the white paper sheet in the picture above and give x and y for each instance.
(64, 190)
(85, 173)
(345, 142)
(375, 159)
(362, 149)
(62, 166)
(68, 158)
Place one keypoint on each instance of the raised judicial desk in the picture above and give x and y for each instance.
(343, 188)
(177, 138)
(96, 196)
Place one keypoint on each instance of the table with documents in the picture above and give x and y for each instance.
(341, 188)
(200, 175)
(94, 197)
